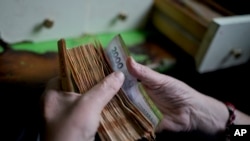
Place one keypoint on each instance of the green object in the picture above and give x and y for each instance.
(152, 105)
(139, 57)
(130, 38)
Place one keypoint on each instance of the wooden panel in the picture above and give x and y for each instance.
(190, 21)
(175, 32)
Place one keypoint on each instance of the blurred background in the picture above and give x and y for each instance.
(201, 42)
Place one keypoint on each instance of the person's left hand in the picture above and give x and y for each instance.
(70, 116)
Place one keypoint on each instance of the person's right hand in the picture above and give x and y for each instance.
(70, 116)
(183, 108)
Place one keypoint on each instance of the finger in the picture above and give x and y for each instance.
(104, 91)
(146, 75)
(51, 85)
(55, 84)
(52, 89)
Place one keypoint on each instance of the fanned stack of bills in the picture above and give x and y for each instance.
(130, 115)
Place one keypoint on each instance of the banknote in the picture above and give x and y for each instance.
(117, 54)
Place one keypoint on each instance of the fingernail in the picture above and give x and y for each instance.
(132, 60)
(119, 75)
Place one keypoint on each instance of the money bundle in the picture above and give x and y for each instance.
(130, 115)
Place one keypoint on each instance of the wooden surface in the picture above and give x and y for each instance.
(27, 68)
(30, 68)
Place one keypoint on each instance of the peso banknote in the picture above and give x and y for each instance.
(117, 54)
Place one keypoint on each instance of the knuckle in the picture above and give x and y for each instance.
(104, 84)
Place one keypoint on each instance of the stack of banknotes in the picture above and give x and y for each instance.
(130, 115)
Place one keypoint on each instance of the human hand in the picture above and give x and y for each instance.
(183, 108)
(71, 116)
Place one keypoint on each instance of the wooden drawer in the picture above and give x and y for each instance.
(225, 44)
(205, 30)
(42, 20)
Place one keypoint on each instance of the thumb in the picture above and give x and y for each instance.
(146, 75)
(103, 92)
